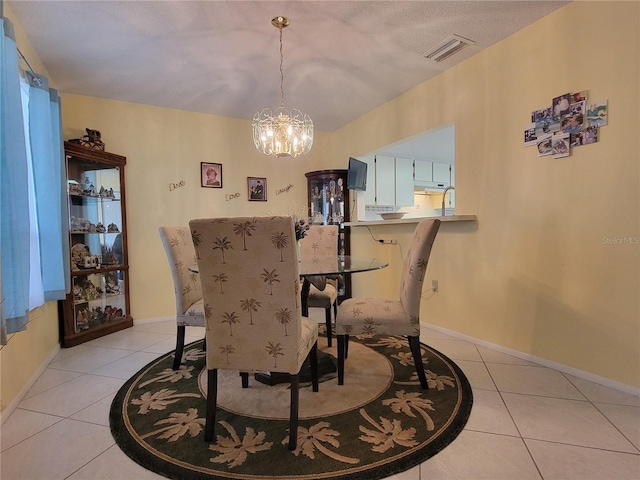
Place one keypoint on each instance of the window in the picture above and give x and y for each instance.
(33, 233)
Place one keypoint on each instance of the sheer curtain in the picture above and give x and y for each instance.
(45, 142)
(33, 241)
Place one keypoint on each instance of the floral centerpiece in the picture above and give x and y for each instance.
(301, 226)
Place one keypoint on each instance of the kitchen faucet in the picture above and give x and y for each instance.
(444, 195)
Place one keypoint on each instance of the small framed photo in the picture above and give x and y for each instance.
(257, 189)
(211, 175)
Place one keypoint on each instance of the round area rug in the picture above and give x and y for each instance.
(379, 423)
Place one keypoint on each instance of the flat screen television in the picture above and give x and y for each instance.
(356, 175)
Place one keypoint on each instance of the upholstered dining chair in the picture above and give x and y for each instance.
(378, 316)
(322, 240)
(251, 287)
(186, 284)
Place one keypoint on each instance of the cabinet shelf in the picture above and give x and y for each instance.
(102, 269)
(98, 303)
(106, 295)
(95, 197)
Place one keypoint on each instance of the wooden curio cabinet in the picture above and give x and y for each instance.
(329, 205)
(99, 300)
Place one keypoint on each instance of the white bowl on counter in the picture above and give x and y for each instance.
(392, 215)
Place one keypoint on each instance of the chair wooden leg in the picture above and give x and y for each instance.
(293, 412)
(245, 379)
(212, 403)
(313, 359)
(177, 360)
(414, 344)
(327, 317)
(341, 356)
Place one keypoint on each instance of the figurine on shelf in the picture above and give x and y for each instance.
(78, 294)
(74, 188)
(111, 282)
(113, 228)
(100, 228)
(108, 255)
(92, 140)
(82, 321)
(83, 225)
(95, 317)
(78, 252)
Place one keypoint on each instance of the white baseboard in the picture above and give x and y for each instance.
(607, 382)
(6, 413)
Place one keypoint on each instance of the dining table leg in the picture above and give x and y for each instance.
(304, 296)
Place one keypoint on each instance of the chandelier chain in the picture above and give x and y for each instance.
(281, 72)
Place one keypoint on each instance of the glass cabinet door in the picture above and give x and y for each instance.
(328, 205)
(326, 200)
(98, 303)
(98, 299)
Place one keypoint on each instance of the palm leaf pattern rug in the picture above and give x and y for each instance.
(377, 424)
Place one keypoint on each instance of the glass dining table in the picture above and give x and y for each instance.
(314, 271)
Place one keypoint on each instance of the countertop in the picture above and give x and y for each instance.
(447, 218)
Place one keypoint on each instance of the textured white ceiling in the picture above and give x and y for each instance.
(341, 58)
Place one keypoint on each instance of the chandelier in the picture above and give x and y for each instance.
(281, 132)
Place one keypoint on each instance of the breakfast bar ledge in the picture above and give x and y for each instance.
(447, 218)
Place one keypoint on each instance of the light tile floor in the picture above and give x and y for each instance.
(527, 421)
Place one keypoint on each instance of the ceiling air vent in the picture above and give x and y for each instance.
(450, 45)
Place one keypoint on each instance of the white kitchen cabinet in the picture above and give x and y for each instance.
(385, 180)
(423, 171)
(394, 181)
(389, 181)
(403, 182)
(368, 197)
(441, 173)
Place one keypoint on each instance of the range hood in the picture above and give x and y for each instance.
(421, 187)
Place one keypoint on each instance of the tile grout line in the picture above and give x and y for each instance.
(593, 404)
(522, 439)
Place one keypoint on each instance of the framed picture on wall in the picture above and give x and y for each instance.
(257, 189)
(211, 175)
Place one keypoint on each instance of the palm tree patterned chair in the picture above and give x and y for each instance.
(186, 285)
(251, 286)
(377, 316)
(322, 240)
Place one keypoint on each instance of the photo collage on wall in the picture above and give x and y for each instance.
(570, 121)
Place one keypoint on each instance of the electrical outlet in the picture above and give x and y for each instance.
(434, 286)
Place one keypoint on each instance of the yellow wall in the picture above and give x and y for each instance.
(534, 274)
(165, 147)
(28, 352)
